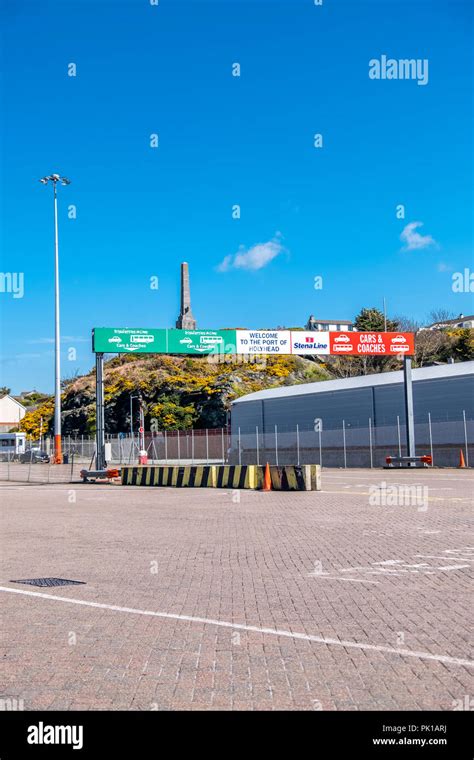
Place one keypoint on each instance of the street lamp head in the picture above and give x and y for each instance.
(54, 178)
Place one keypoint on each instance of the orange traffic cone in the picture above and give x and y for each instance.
(267, 480)
(462, 463)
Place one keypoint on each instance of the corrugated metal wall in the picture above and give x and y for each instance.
(444, 398)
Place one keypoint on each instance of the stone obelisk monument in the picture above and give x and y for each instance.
(185, 320)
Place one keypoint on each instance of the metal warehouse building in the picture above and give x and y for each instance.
(357, 421)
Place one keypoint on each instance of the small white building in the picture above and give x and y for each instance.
(11, 413)
(460, 321)
(329, 325)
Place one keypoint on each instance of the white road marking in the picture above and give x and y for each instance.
(252, 628)
(388, 571)
(436, 556)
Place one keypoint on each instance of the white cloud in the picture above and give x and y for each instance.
(413, 240)
(256, 257)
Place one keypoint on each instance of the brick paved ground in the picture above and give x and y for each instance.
(329, 565)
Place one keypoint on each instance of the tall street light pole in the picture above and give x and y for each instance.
(58, 457)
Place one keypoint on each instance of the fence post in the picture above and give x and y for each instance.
(152, 443)
(192, 446)
(370, 443)
(179, 450)
(465, 437)
(344, 441)
(240, 451)
(166, 448)
(297, 444)
(256, 434)
(222, 441)
(207, 446)
(399, 438)
(431, 438)
(276, 445)
(72, 467)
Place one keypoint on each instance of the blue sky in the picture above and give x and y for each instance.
(226, 140)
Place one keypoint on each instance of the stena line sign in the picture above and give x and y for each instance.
(313, 342)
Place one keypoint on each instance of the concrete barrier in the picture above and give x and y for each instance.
(236, 476)
(306, 477)
(192, 476)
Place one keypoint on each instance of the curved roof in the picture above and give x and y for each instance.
(364, 381)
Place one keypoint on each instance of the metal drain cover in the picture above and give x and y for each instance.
(49, 582)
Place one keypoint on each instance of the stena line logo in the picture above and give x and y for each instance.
(313, 346)
(41, 734)
(312, 342)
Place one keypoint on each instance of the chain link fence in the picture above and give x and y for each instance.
(167, 447)
(346, 446)
(351, 446)
(35, 472)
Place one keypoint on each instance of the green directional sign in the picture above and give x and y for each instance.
(128, 340)
(201, 341)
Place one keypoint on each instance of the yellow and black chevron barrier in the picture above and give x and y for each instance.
(194, 476)
(305, 477)
(236, 476)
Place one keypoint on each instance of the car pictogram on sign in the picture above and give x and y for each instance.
(115, 339)
(399, 339)
(342, 339)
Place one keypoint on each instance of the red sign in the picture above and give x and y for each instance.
(371, 343)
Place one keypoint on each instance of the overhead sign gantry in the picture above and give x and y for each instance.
(271, 342)
(130, 340)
